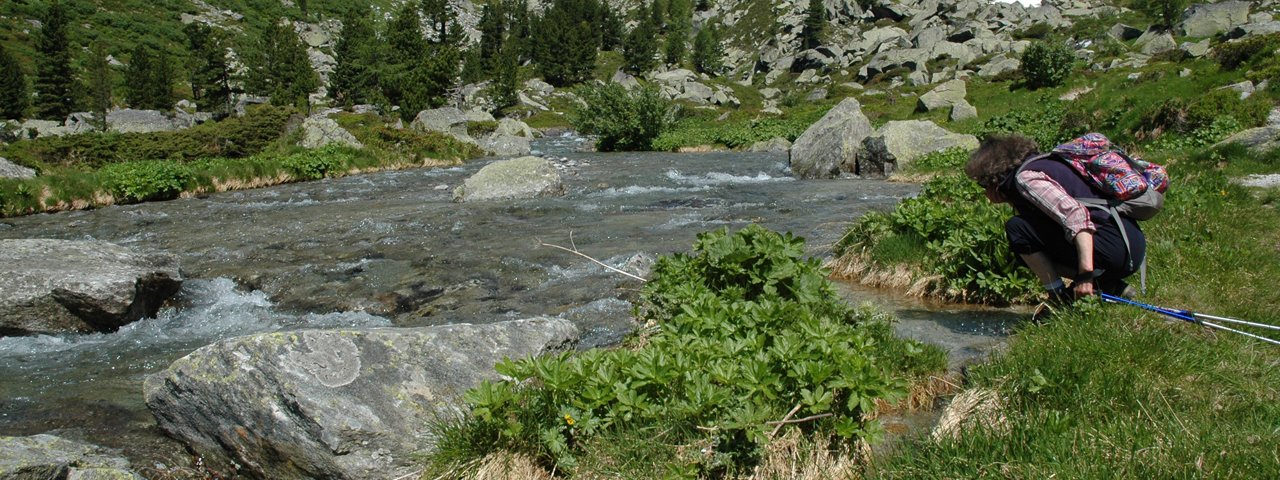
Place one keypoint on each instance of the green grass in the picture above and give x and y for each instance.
(1112, 391)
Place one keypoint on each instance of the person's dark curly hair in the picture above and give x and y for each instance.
(997, 157)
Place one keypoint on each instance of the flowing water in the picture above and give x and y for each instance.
(393, 249)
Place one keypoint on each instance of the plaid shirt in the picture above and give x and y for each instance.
(1049, 196)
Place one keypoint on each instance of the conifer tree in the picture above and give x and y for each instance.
(814, 23)
(54, 80)
(493, 33)
(355, 77)
(280, 67)
(658, 15)
(441, 20)
(13, 87)
(419, 74)
(679, 19)
(1166, 13)
(149, 80)
(506, 75)
(641, 46)
(567, 42)
(100, 80)
(610, 28)
(210, 75)
(707, 52)
(405, 46)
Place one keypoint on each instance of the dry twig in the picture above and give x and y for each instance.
(575, 251)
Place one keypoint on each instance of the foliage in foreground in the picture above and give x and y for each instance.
(746, 330)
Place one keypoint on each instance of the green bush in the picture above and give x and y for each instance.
(950, 230)
(1233, 55)
(623, 120)
(747, 329)
(1047, 64)
(317, 164)
(146, 180)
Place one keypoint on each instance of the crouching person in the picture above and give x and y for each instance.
(1051, 231)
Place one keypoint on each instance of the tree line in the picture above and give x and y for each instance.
(414, 60)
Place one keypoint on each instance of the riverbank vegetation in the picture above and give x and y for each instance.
(746, 341)
(98, 169)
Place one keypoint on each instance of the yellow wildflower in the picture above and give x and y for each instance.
(568, 419)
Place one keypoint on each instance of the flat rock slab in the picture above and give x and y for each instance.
(52, 286)
(353, 404)
(51, 457)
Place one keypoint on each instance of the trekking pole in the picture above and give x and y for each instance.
(1197, 318)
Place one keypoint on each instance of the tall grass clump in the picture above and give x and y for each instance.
(744, 331)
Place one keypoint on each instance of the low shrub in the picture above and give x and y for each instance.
(1233, 55)
(622, 119)
(317, 164)
(1047, 64)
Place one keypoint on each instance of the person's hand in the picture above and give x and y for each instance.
(1083, 289)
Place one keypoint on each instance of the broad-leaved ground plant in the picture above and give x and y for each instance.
(746, 330)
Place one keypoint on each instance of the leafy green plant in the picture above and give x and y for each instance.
(949, 160)
(317, 164)
(146, 180)
(1043, 123)
(1047, 64)
(952, 231)
(747, 329)
(623, 120)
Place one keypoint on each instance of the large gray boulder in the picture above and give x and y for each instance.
(900, 142)
(12, 170)
(1208, 19)
(945, 95)
(43, 456)
(524, 177)
(447, 120)
(505, 145)
(830, 146)
(320, 131)
(353, 404)
(59, 286)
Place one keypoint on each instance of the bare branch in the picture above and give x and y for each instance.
(784, 420)
(575, 251)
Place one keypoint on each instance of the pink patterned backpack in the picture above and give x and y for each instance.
(1110, 169)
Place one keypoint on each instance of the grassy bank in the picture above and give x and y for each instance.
(1110, 391)
(100, 169)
